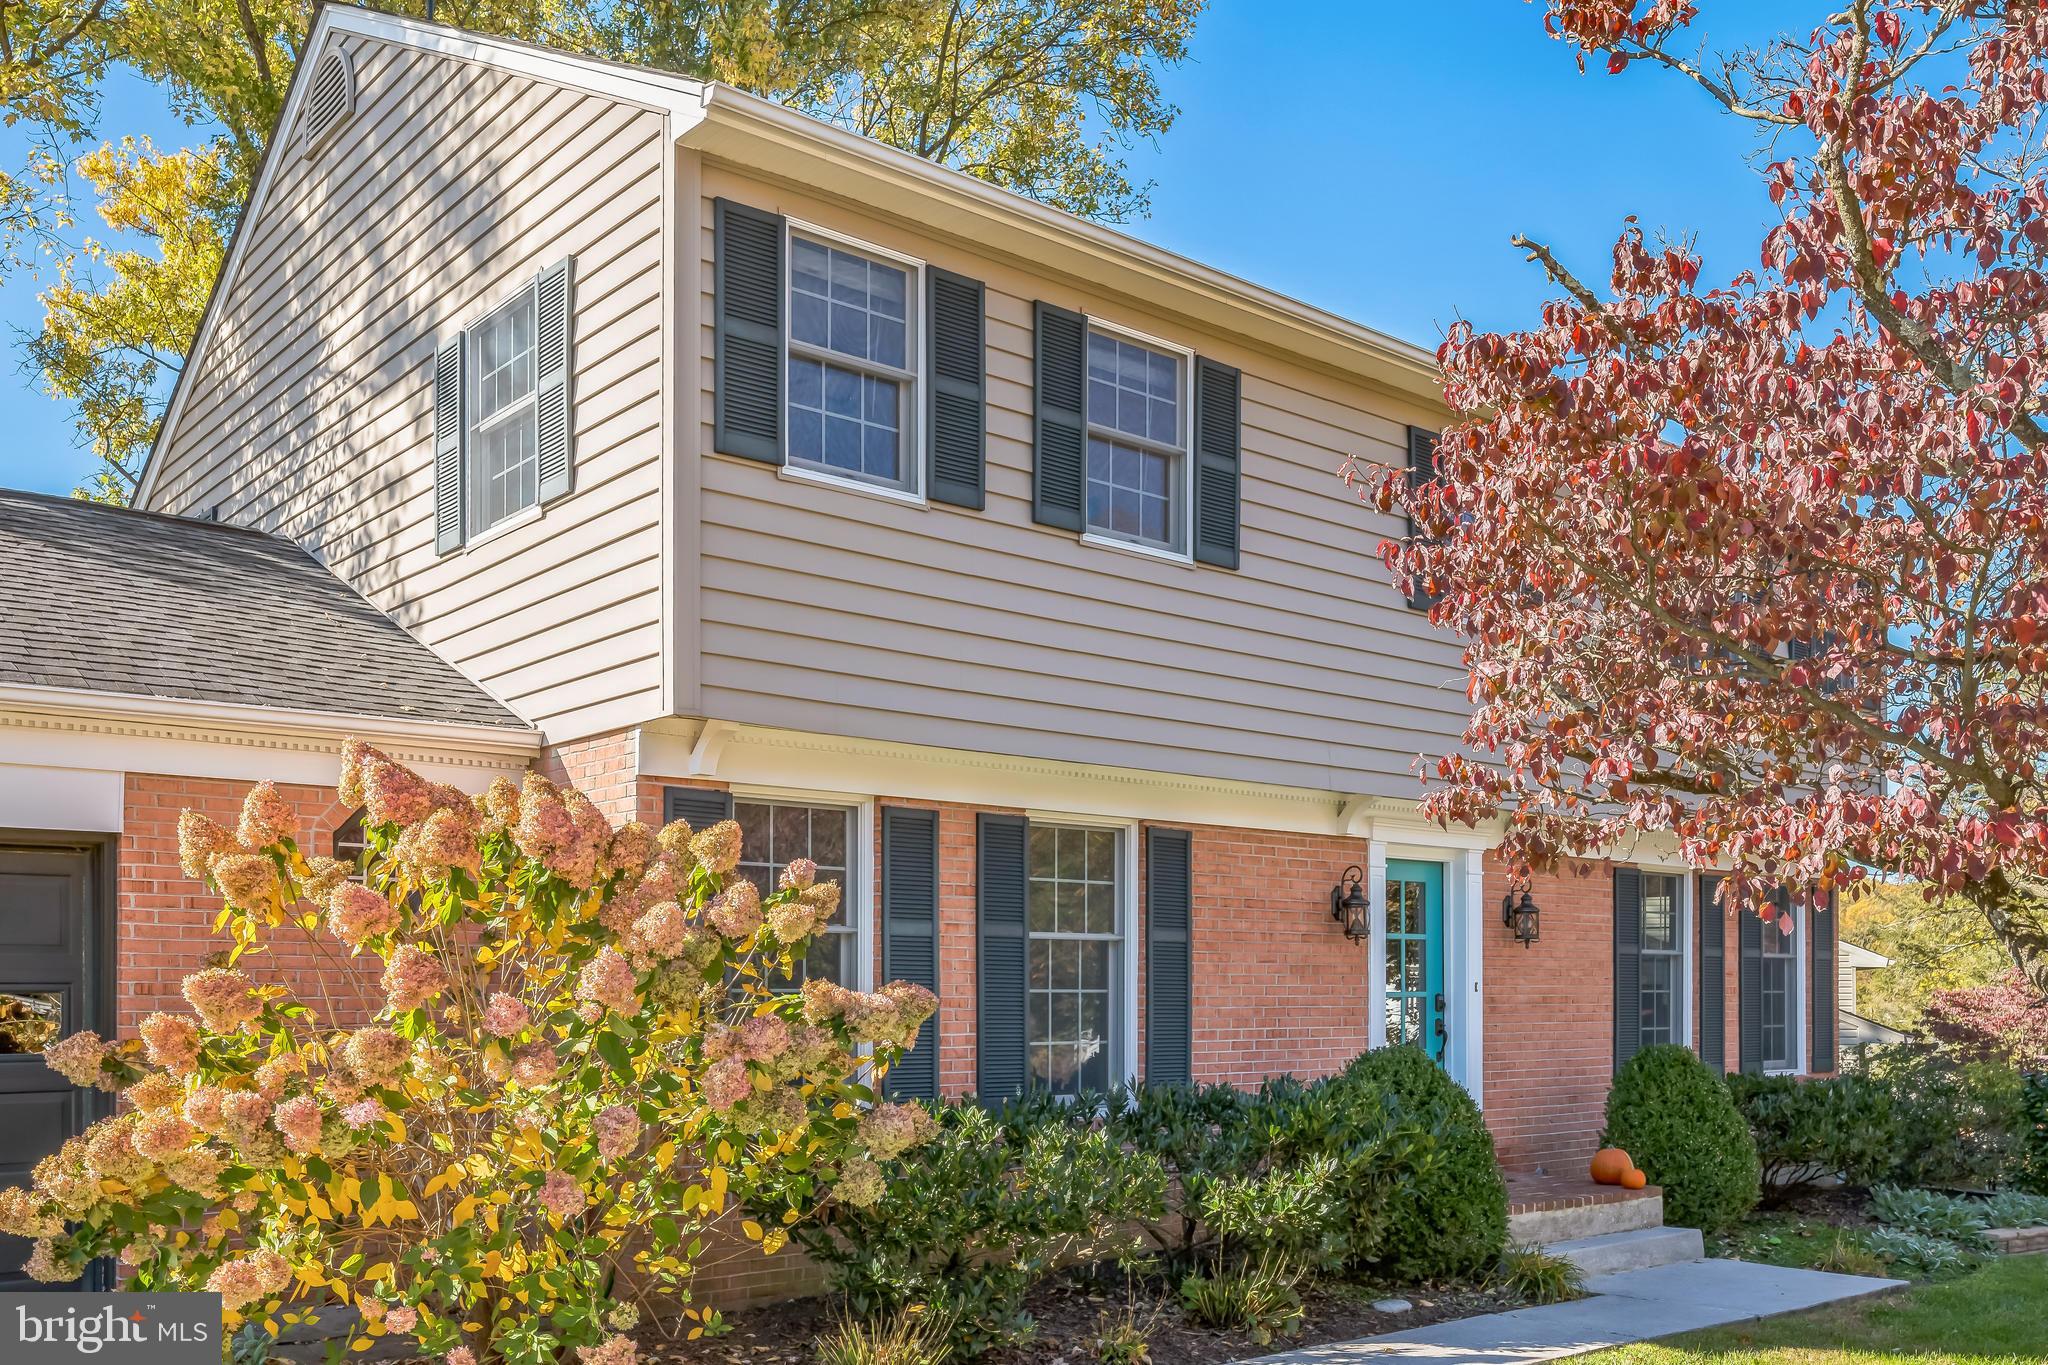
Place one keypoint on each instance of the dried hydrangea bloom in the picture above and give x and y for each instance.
(199, 840)
(110, 1151)
(44, 1267)
(718, 848)
(392, 793)
(506, 1016)
(356, 914)
(224, 998)
(376, 1056)
(299, 1120)
(500, 801)
(561, 1195)
(826, 1000)
(662, 881)
(248, 880)
(364, 1113)
(674, 838)
(22, 1215)
(203, 1109)
(412, 977)
(663, 932)
(860, 1183)
(535, 1064)
(823, 900)
(354, 754)
(446, 839)
(323, 874)
(764, 1038)
(243, 1282)
(77, 1059)
(736, 911)
(619, 1350)
(402, 1319)
(278, 1072)
(798, 876)
(267, 818)
(196, 1169)
(171, 1041)
(633, 847)
(162, 1134)
(791, 921)
(617, 1129)
(461, 1355)
(244, 1114)
(888, 1130)
(608, 980)
(914, 1003)
(726, 1083)
(152, 1093)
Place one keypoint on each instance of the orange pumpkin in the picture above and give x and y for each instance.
(1610, 1164)
(1633, 1179)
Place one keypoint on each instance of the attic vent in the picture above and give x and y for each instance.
(330, 99)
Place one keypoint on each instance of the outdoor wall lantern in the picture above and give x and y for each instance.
(1521, 917)
(1348, 904)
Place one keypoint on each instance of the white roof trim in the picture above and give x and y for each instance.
(1862, 958)
(677, 98)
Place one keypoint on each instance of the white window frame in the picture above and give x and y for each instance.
(1123, 1055)
(475, 530)
(1795, 999)
(1687, 986)
(916, 347)
(1184, 461)
(862, 905)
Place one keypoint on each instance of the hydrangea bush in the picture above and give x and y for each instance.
(546, 1058)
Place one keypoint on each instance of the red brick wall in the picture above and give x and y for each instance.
(602, 768)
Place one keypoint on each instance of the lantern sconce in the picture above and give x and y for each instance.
(1521, 917)
(1348, 905)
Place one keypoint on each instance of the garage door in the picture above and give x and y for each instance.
(50, 958)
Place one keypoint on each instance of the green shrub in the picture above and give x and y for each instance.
(1678, 1122)
(970, 1221)
(1958, 1124)
(1916, 1253)
(2030, 1167)
(1199, 1135)
(2011, 1209)
(1807, 1130)
(1414, 1160)
(1292, 1211)
(1260, 1297)
(1930, 1213)
(1533, 1275)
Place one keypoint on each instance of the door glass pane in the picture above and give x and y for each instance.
(29, 1020)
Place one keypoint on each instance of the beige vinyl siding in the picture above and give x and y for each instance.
(828, 611)
(312, 412)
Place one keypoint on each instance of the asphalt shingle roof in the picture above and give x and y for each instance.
(110, 600)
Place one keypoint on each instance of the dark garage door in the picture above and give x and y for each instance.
(52, 923)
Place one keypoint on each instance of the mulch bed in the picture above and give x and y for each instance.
(1069, 1314)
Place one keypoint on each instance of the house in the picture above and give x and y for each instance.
(993, 559)
(1856, 1030)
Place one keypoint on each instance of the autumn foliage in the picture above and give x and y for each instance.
(548, 1056)
(1758, 558)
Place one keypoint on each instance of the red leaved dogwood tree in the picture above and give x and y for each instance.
(1761, 563)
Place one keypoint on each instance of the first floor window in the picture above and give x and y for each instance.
(776, 833)
(504, 443)
(350, 844)
(1075, 918)
(1777, 977)
(1662, 959)
(851, 352)
(1137, 441)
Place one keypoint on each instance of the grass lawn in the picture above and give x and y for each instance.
(1996, 1314)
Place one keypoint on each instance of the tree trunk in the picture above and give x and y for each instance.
(2018, 914)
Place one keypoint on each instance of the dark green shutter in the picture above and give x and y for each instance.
(910, 935)
(553, 306)
(448, 432)
(1218, 422)
(959, 387)
(703, 807)
(1822, 987)
(1169, 979)
(748, 359)
(1749, 990)
(1060, 441)
(1628, 964)
(1713, 994)
(1421, 469)
(1001, 842)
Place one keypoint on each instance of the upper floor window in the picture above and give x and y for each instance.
(504, 446)
(853, 349)
(1137, 442)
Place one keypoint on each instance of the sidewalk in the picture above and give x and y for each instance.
(1636, 1305)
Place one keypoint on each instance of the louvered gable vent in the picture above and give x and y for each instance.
(330, 100)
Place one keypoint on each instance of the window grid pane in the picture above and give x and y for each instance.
(1072, 891)
(842, 418)
(772, 835)
(1775, 978)
(1133, 490)
(504, 441)
(1407, 980)
(1662, 956)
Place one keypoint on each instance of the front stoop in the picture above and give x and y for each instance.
(1636, 1249)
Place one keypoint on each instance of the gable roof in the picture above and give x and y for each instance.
(761, 135)
(104, 599)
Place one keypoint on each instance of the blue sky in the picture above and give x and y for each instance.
(1370, 158)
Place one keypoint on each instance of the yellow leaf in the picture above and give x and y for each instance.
(774, 1241)
(752, 1229)
(360, 1344)
(463, 1210)
(395, 1126)
(664, 1155)
(379, 1271)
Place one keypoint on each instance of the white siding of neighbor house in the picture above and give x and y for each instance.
(828, 611)
(311, 413)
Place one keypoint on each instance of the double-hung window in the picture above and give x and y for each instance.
(1663, 967)
(775, 833)
(1778, 996)
(504, 443)
(1075, 908)
(1137, 442)
(853, 350)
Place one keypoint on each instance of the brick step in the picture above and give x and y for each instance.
(1539, 1223)
(1637, 1249)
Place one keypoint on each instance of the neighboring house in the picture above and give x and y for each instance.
(1856, 1031)
(994, 559)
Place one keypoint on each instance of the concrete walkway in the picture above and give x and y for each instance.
(1635, 1305)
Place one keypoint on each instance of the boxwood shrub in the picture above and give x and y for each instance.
(1808, 1130)
(1675, 1117)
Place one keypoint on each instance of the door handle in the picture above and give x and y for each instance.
(1442, 1034)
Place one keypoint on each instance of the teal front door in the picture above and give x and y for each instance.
(1415, 955)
